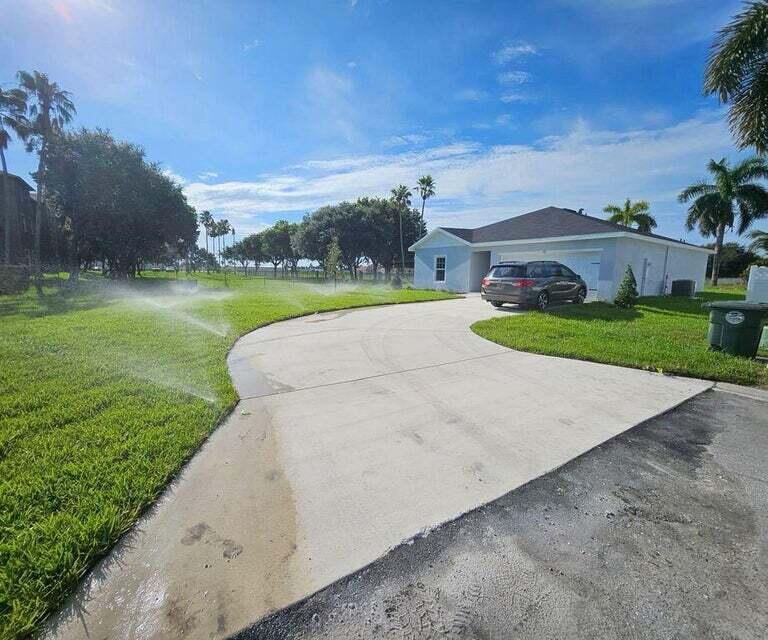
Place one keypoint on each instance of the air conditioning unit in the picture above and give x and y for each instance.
(683, 288)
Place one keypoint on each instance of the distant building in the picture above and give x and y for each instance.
(17, 220)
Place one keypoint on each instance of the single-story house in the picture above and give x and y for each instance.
(599, 251)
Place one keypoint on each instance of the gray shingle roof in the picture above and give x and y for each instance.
(550, 222)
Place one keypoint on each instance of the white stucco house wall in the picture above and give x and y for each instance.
(457, 259)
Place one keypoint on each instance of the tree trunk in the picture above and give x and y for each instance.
(423, 203)
(40, 196)
(7, 209)
(716, 257)
(402, 248)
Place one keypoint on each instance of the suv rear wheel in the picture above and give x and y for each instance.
(542, 302)
(580, 296)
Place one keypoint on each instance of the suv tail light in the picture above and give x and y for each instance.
(486, 282)
(523, 283)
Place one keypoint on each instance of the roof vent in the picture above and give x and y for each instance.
(581, 211)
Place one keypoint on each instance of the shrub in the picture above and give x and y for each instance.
(627, 295)
(13, 279)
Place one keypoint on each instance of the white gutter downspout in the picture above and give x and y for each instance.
(666, 275)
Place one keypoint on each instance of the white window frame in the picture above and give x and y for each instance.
(445, 269)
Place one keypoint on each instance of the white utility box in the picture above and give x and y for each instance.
(757, 285)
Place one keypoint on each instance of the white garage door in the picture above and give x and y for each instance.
(585, 263)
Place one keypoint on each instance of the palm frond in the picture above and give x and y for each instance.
(696, 190)
(736, 49)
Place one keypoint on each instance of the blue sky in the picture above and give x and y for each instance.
(267, 110)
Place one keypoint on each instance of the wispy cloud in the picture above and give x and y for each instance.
(407, 139)
(509, 98)
(471, 95)
(207, 175)
(250, 46)
(585, 167)
(513, 77)
(178, 179)
(330, 100)
(514, 51)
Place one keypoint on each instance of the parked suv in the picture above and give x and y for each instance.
(532, 284)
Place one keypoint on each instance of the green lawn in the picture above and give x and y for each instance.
(104, 393)
(662, 334)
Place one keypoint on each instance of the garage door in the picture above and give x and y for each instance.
(585, 263)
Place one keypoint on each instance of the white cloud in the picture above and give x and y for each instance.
(471, 95)
(407, 139)
(477, 184)
(352, 64)
(513, 51)
(509, 98)
(513, 77)
(250, 46)
(207, 175)
(178, 179)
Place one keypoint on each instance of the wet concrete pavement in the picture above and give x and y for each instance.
(662, 532)
(356, 430)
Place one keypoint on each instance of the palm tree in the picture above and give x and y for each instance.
(737, 71)
(734, 196)
(426, 190)
(401, 196)
(633, 213)
(759, 241)
(223, 231)
(13, 104)
(206, 220)
(49, 108)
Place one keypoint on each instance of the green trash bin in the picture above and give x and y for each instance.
(736, 326)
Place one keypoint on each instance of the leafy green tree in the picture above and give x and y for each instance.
(426, 190)
(332, 260)
(401, 196)
(737, 72)
(113, 206)
(733, 199)
(49, 108)
(276, 244)
(632, 214)
(13, 105)
(627, 295)
(734, 259)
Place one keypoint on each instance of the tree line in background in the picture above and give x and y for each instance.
(345, 235)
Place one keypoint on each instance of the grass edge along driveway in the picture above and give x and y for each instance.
(663, 334)
(105, 394)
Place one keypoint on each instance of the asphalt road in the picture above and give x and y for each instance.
(661, 532)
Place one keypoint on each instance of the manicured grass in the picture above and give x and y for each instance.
(105, 392)
(662, 334)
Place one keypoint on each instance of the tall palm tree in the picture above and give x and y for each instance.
(426, 190)
(13, 104)
(223, 231)
(759, 241)
(632, 213)
(49, 108)
(737, 71)
(206, 219)
(401, 196)
(733, 198)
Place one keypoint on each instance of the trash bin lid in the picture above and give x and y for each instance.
(739, 305)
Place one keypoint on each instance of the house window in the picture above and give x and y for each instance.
(440, 269)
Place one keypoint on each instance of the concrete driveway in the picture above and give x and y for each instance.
(357, 430)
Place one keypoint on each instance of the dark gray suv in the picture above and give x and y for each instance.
(532, 284)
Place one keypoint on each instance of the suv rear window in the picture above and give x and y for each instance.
(507, 271)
